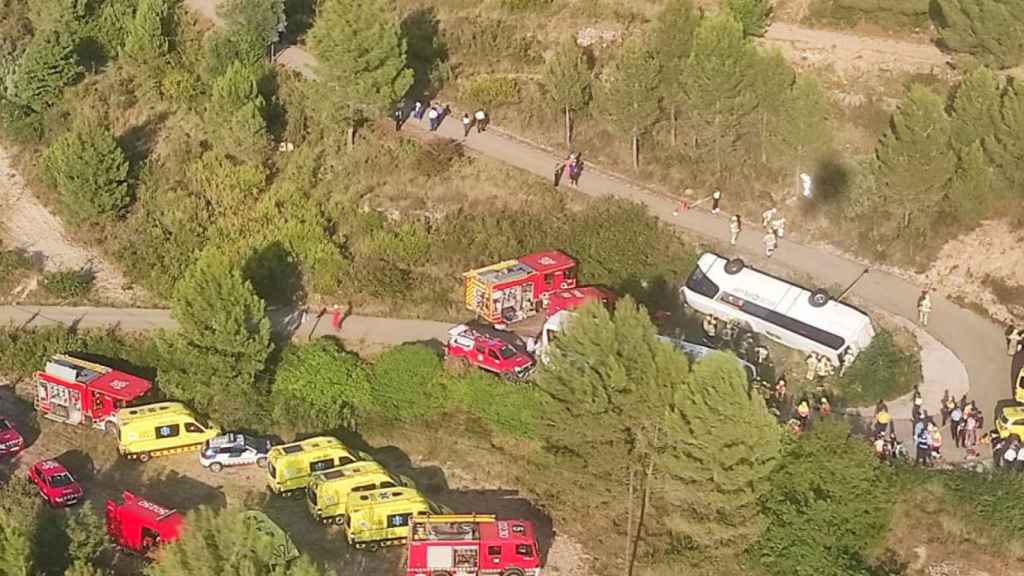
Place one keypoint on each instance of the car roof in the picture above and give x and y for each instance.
(50, 467)
(229, 439)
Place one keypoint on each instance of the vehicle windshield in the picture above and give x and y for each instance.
(507, 352)
(4, 426)
(61, 480)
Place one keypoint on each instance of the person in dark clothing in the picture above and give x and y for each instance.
(399, 116)
(924, 448)
(575, 170)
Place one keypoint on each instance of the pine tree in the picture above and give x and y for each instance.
(753, 15)
(566, 82)
(915, 160)
(146, 43)
(718, 87)
(800, 131)
(224, 543)
(235, 114)
(47, 66)
(253, 25)
(90, 170)
(830, 501)
(1006, 147)
(614, 374)
(975, 108)
(990, 30)
(971, 188)
(724, 445)
(222, 342)
(86, 535)
(672, 42)
(362, 57)
(629, 95)
(19, 510)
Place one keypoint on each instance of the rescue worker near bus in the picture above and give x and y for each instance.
(812, 365)
(803, 412)
(848, 357)
(716, 198)
(824, 406)
(767, 216)
(778, 227)
(770, 244)
(710, 325)
(882, 418)
(735, 225)
(780, 388)
(936, 440)
(924, 307)
(825, 367)
(1013, 340)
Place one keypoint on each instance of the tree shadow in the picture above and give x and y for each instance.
(275, 275)
(299, 15)
(426, 50)
(139, 141)
(831, 177)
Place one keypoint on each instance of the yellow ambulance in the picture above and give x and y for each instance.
(290, 466)
(160, 429)
(381, 517)
(327, 493)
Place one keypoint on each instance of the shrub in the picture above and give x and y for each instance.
(752, 14)
(882, 371)
(68, 284)
(490, 92)
(993, 497)
(405, 383)
(90, 170)
(319, 387)
(509, 407)
(890, 14)
(525, 5)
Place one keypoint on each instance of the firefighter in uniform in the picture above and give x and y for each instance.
(812, 365)
(825, 368)
(710, 326)
(848, 358)
(770, 243)
(924, 307)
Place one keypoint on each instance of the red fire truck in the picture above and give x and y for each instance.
(138, 525)
(76, 391)
(471, 545)
(517, 289)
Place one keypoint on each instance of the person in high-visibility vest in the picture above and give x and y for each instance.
(803, 411)
(936, 441)
(882, 420)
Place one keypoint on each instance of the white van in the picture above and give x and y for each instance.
(792, 316)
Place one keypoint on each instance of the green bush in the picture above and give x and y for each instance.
(890, 14)
(489, 92)
(883, 371)
(491, 40)
(68, 284)
(23, 351)
(405, 383)
(993, 497)
(90, 170)
(510, 407)
(752, 14)
(319, 387)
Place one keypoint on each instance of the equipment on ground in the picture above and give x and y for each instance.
(138, 525)
(458, 544)
(76, 391)
(160, 429)
(291, 466)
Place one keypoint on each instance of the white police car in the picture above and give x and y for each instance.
(233, 449)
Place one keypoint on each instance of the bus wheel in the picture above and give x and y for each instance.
(339, 520)
(734, 266)
(144, 457)
(111, 428)
(819, 298)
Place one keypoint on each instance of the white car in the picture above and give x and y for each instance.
(233, 449)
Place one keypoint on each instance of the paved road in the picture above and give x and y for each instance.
(977, 341)
(354, 329)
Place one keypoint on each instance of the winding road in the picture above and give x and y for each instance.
(976, 341)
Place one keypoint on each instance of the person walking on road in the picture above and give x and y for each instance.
(924, 307)
(767, 216)
(417, 110)
(1013, 340)
(434, 118)
(481, 120)
(735, 225)
(575, 170)
(716, 198)
(770, 244)
(467, 123)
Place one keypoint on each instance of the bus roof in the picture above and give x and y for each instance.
(786, 298)
(139, 413)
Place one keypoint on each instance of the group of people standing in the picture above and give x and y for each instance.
(571, 168)
(435, 115)
(774, 225)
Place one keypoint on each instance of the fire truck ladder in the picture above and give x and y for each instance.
(79, 363)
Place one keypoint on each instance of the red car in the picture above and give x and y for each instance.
(10, 441)
(55, 483)
(491, 352)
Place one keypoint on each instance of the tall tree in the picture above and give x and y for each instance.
(222, 342)
(915, 160)
(253, 25)
(724, 447)
(90, 170)
(990, 30)
(629, 96)
(753, 15)
(19, 510)
(147, 42)
(718, 87)
(566, 82)
(47, 65)
(671, 42)
(971, 188)
(235, 113)
(224, 543)
(362, 57)
(975, 108)
(801, 130)
(829, 505)
(1007, 145)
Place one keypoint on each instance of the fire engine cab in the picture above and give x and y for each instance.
(76, 391)
(514, 290)
(138, 525)
(471, 545)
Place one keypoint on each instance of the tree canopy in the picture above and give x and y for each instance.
(628, 96)
(567, 82)
(319, 387)
(90, 171)
(990, 30)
